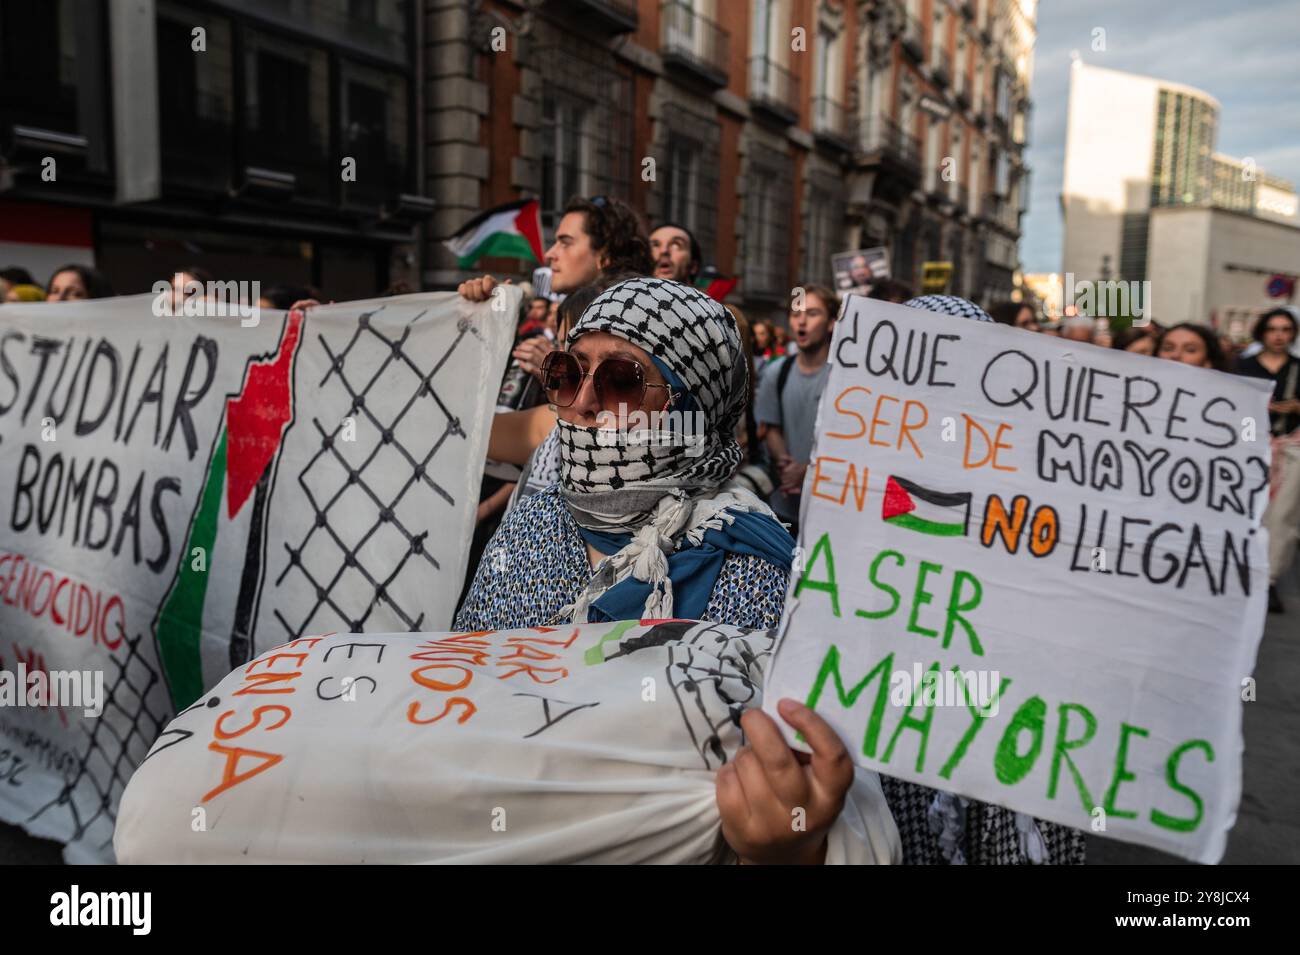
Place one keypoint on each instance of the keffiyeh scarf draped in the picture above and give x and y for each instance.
(950, 305)
(663, 512)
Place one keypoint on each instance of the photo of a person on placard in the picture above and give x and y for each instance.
(859, 270)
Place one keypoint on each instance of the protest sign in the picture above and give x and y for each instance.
(1033, 573)
(177, 494)
(586, 743)
(859, 270)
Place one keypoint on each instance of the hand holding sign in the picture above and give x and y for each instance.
(778, 804)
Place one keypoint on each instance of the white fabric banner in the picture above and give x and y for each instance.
(178, 494)
(1066, 538)
(590, 743)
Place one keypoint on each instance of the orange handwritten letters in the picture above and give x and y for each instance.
(266, 681)
(450, 664)
(914, 417)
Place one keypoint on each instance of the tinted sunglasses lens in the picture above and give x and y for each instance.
(619, 382)
(561, 377)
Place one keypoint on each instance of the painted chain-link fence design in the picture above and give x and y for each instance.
(331, 487)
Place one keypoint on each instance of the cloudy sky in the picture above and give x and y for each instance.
(1245, 53)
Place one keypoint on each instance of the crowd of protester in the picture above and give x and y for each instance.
(569, 529)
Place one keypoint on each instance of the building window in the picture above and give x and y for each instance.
(373, 122)
(938, 38)
(566, 156)
(821, 239)
(1134, 235)
(38, 58)
(683, 178)
(933, 153)
(763, 16)
(958, 171)
(1001, 174)
(767, 224)
(1003, 94)
(829, 115)
(586, 132)
(286, 111)
(690, 178)
(959, 68)
(196, 102)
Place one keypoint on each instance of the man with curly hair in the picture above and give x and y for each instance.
(595, 237)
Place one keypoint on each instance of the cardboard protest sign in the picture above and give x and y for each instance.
(180, 493)
(1033, 573)
(588, 743)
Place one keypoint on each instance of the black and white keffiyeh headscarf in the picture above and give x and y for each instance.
(950, 305)
(611, 486)
(664, 498)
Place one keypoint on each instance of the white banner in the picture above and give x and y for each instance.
(1066, 539)
(179, 494)
(596, 743)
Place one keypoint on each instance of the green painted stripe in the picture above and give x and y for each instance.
(180, 625)
(595, 655)
(914, 523)
(508, 244)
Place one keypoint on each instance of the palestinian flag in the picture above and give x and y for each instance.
(219, 576)
(513, 230)
(714, 284)
(938, 513)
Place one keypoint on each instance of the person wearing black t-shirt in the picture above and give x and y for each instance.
(1276, 331)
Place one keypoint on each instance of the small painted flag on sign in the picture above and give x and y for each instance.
(939, 513)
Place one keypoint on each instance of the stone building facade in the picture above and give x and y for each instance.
(779, 131)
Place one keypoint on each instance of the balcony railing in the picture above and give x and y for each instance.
(830, 122)
(884, 139)
(694, 42)
(773, 88)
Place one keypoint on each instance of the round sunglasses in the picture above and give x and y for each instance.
(619, 382)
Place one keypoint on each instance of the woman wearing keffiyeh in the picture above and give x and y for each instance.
(652, 528)
(640, 526)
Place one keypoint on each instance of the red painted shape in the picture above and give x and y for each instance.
(897, 501)
(257, 419)
(529, 223)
